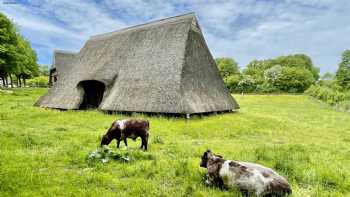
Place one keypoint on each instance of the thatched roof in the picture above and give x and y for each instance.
(162, 66)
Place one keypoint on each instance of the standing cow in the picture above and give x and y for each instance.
(127, 128)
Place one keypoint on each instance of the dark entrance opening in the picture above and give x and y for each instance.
(93, 93)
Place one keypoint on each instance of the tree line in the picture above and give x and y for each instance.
(291, 74)
(334, 89)
(18, 61)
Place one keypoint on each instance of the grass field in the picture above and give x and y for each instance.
(43, 152)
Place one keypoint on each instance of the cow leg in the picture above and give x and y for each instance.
(118, 143)
(125, 142)
(144, 142)
(141, 143)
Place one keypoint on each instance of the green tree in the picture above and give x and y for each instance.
(17, 58)
(266, 72)
(246, 84)
(8, 42)
(343, 72)
(227, 66)
(25, 61)
(299, 60)
(294, 79)
(328, 79)
(272, 74)
(256, 69)
(44, 70)
(232, 82)
(229, 71)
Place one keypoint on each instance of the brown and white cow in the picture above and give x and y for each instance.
(127, 128)
(250, 178)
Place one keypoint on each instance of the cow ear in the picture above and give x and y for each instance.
(219, 156)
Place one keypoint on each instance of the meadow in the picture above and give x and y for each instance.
(43, 152)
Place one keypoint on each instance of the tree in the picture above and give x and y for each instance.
(272, 74)
(294, 79)
(44, 70)
(229, 71)
(343, 72)
(8, 41)
(328, 79)
(16, 54)
(246, 84)
(25, 64)
(232, 82)
(227, 66)
(328, 76)
(267, 74)
(299, 60)
(256, 69)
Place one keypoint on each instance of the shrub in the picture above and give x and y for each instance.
(247, 84)
(41, 81)
(267, 88)
(329, 95)
(343, 106)
(227, 66)
(272, 74)
(294, 80)
(232, 82)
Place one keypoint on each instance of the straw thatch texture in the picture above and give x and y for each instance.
(163, 66)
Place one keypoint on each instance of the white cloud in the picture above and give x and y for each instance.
(80, 16)
(24, 18)
(53, 25)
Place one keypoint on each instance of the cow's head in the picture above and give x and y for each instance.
(112, 133)
(208, 155)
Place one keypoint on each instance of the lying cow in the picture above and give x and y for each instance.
(128, 128)
(250, 178)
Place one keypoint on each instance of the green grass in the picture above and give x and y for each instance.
(43, 152)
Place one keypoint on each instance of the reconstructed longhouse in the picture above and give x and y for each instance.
(163, 66)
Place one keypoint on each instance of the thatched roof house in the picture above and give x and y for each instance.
(163, 66)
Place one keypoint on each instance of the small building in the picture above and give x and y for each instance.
(163, 66)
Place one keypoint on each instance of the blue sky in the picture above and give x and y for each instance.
(241, 29)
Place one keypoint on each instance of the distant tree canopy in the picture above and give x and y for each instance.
(343, 72)
(227, 66)
(292, 73)
(44, 70)
(229, 71)
(17, 58)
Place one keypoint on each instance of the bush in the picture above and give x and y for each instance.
(343, 106)
(231, 82)
(294, 80)
(247, 84)
(227, 66)
(267, 88)
(41, 81)
(328, 95)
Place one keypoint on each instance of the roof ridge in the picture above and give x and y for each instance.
(153, 22)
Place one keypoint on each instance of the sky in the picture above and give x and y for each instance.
(240, 29)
